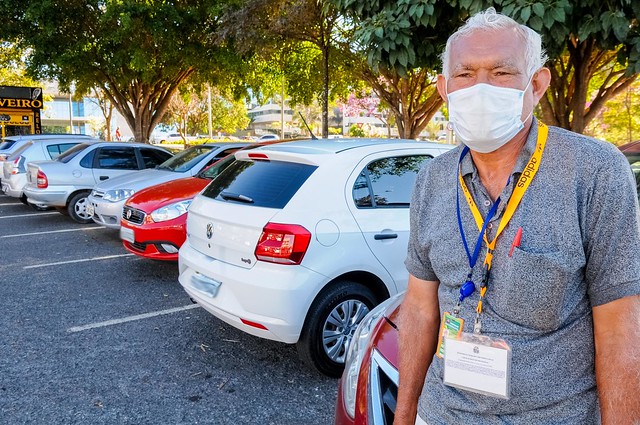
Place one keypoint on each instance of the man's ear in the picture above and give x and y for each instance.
(441, 84)
(540, 83)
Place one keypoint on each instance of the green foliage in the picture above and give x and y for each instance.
(356, 131)
(612, 24)
(619, 120)
(138, 52)
(405, 34)
(12, 69)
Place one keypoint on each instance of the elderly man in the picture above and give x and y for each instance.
(524, 259)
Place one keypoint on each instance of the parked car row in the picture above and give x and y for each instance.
(290, 241)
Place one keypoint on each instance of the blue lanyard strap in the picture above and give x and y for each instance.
(468, 287)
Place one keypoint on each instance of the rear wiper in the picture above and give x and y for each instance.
(235, 197)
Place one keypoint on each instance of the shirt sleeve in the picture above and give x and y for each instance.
(612, 232)
(417, 261)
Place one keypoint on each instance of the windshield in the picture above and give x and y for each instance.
(218, 167)
(71, 153)
(185, 160)
(19, 151)
(6, 144)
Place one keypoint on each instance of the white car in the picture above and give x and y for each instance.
(296, 242)
(267, 137)
(14, 176)
(107, 198)
(66, 182)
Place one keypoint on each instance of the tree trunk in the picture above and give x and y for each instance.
(413, 100)
(566, 103)
(325, 80)
(143, 105)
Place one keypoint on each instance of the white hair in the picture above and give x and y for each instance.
(490, 20)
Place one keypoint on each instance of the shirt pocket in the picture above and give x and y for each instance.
(529, 289)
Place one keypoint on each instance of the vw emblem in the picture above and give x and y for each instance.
(209, 230)
(129, 214)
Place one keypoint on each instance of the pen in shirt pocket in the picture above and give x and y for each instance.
(516, 241)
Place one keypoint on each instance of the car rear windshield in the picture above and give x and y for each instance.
(185, 160)
(6, 144)
(19, 151)
(268, 184)
(71, 153)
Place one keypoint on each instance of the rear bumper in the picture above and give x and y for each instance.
(14, 185)
(53, 196)
(262, 294)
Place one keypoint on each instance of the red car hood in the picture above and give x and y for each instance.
(154, 197)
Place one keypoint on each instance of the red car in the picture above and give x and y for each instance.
(368, 389)
(154, 220)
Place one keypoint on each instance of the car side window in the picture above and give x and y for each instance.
(218, 156)
(388, 182)
(117, 158)
(58, 149)
(151, 158)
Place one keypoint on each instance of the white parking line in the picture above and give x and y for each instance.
(52, 231)
(12, 204)
(59, 263)
(29, 215)
(131, 318)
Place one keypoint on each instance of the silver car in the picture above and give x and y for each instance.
(107, 198)
(14, 176)
(10, 144)
(67, 182)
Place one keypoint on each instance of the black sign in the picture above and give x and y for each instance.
(5, 117)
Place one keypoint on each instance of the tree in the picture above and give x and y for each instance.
(619, 120)
(137, 52)
(298, 36)
(585, 39)
(106, 107)
(398, 45)
(12, 69)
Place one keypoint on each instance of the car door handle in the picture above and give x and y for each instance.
(382, 236)
(104, 177)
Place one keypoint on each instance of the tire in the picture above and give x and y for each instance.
(23, 199)
(77, 208)
(330, 324)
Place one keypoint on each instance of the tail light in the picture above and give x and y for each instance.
(283, 243)
(43, 183)
(16, 165)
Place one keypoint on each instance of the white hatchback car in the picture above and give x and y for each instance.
(296, 242)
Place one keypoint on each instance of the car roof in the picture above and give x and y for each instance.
(46, 136)
(319, 150)
(334, 146)
(633, 147)
(224, 144)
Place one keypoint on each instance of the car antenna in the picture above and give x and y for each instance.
(306, 125)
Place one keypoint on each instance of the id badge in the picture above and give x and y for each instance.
(451, 326)
(479, 364)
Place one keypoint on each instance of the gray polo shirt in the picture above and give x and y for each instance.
(579, 249)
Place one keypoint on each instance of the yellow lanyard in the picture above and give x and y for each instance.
(518, 192)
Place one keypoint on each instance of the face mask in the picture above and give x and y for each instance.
(485, 117)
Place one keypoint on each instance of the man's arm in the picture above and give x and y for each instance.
(617, 340)
(418, 327)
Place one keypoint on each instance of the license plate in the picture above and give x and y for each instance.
(127, 234)
(205, 284)
(91, 209)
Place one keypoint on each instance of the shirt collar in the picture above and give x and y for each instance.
(467, 166)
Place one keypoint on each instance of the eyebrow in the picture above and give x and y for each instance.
(501, 64)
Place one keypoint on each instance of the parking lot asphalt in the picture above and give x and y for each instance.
(90, 334)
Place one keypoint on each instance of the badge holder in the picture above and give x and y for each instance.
(478, 363)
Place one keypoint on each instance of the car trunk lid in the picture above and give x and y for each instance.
(226, 231)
